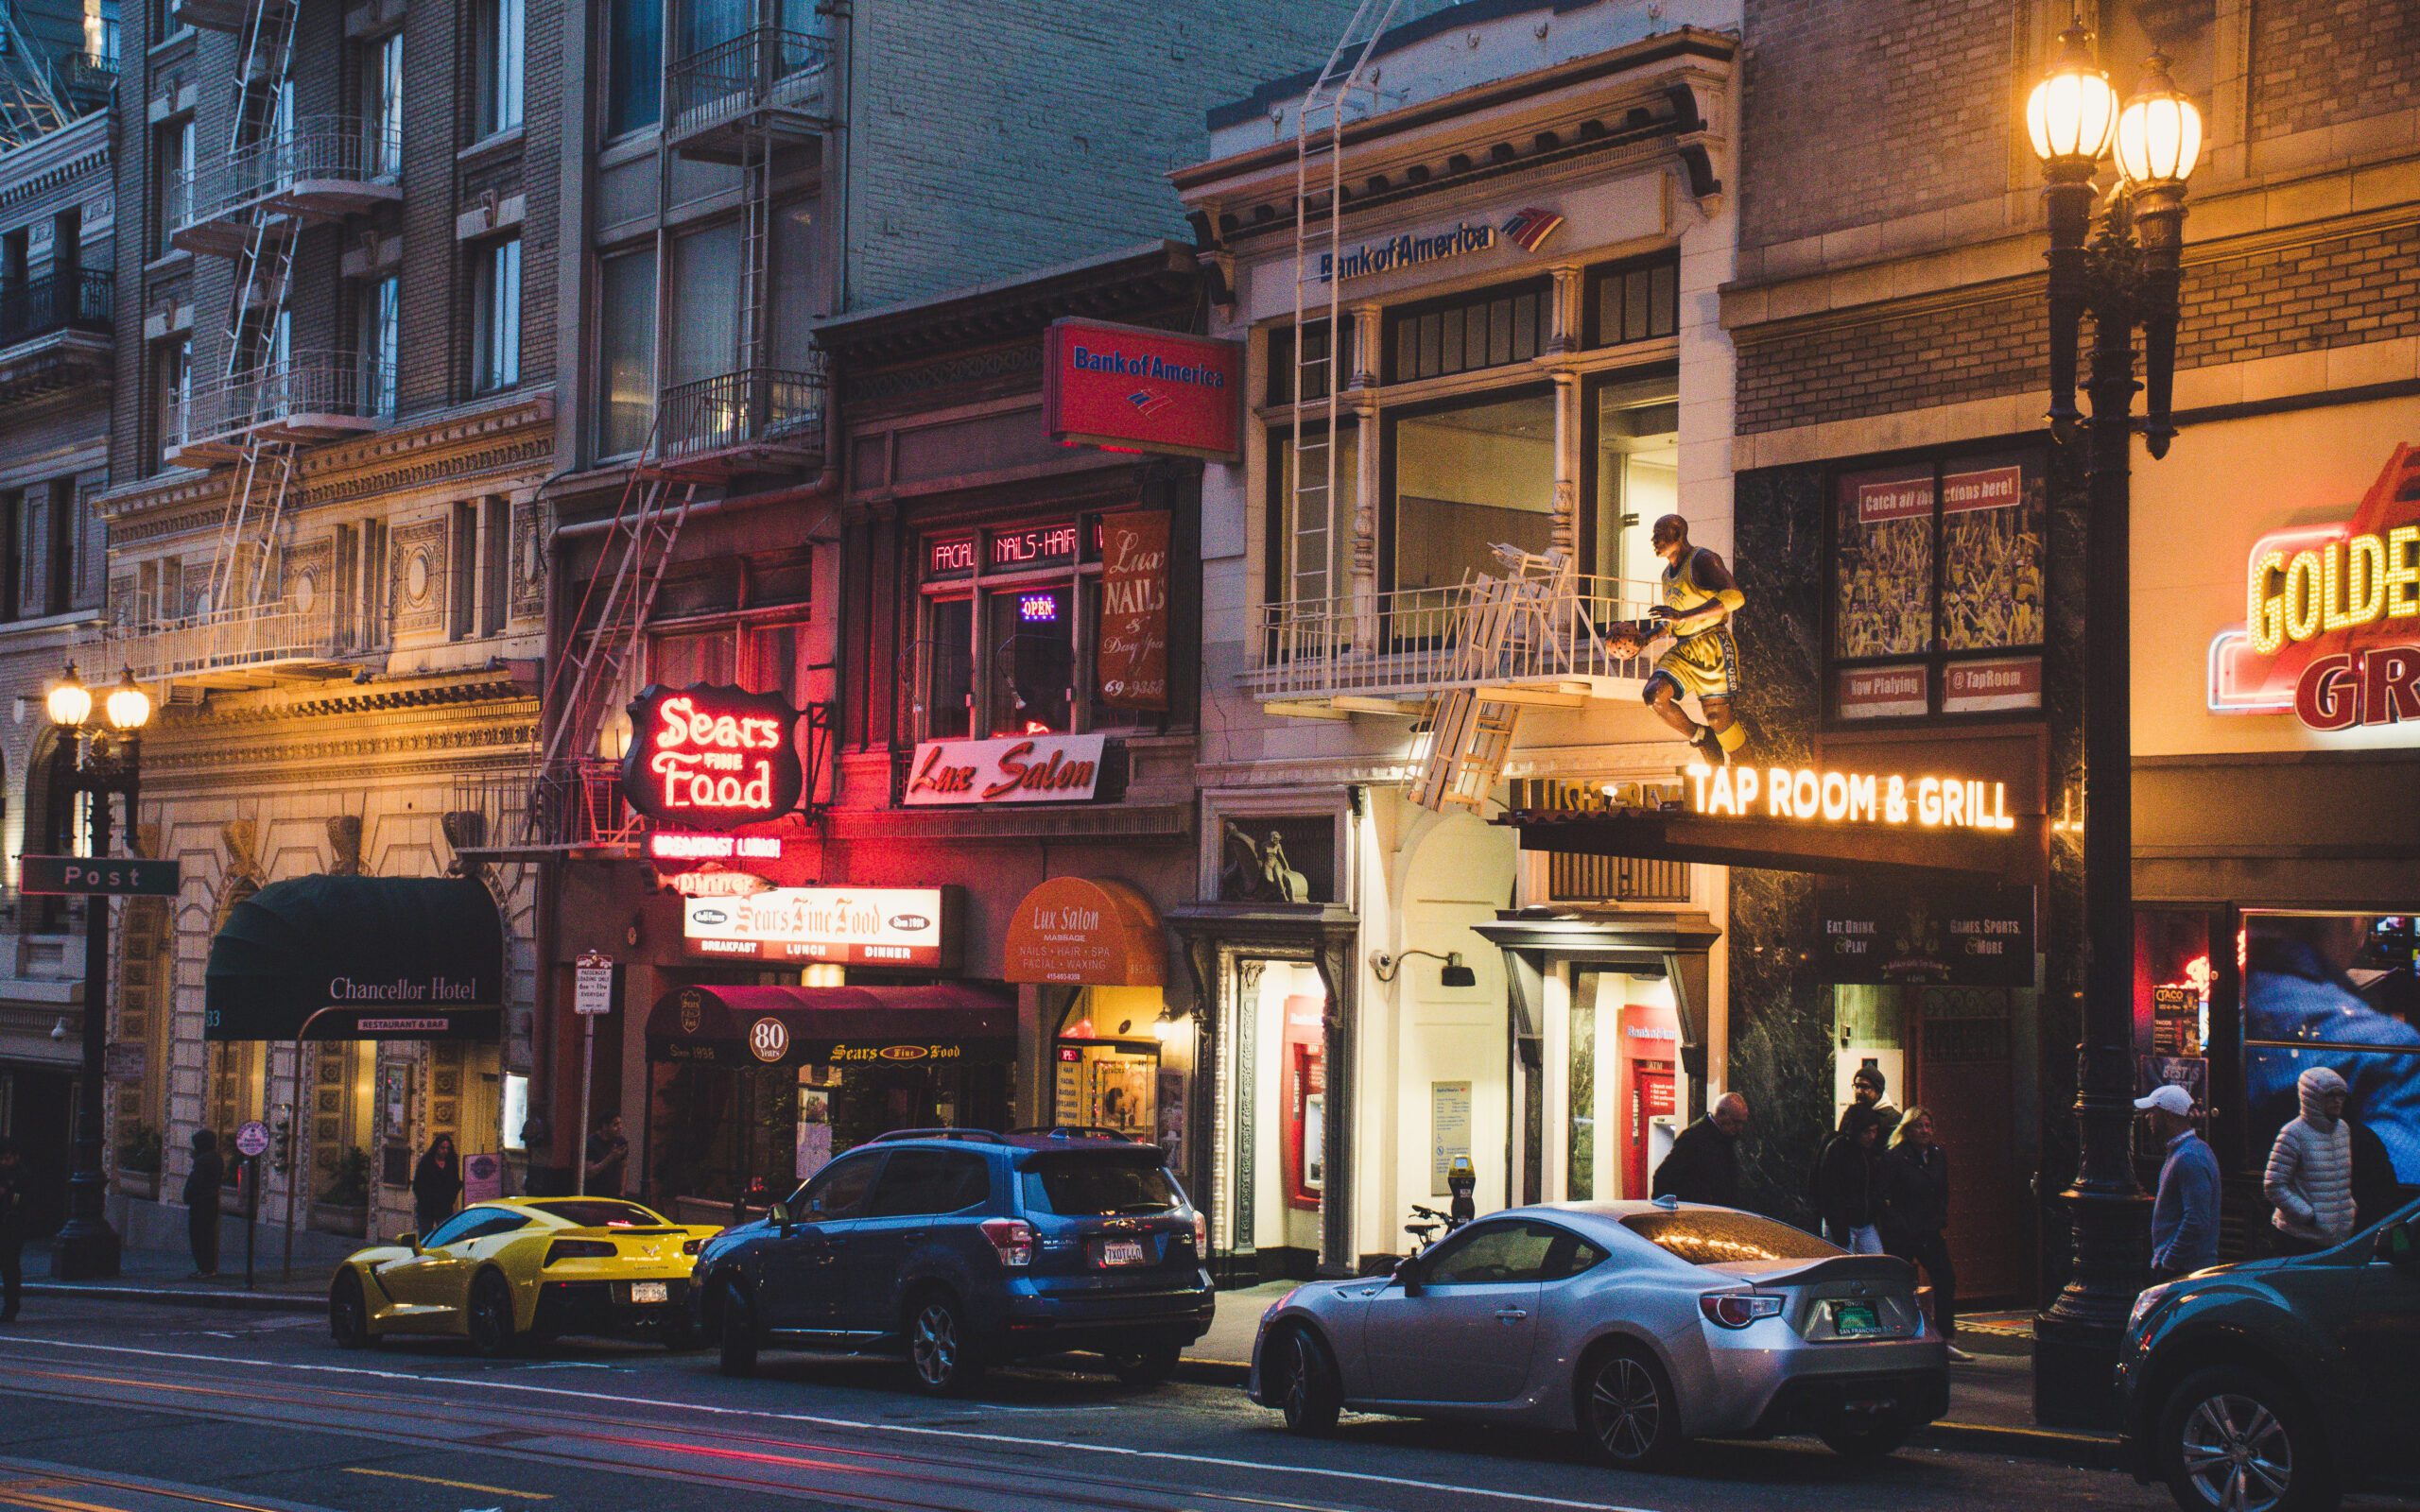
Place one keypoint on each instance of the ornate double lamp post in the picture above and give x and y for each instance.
(108, 757)
(2115, 258)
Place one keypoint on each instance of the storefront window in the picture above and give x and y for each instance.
(1032, 636)
(1108, 1065)
(1937, 587)
(1467, 479)
(2339, 990)
(1638, 459)
(1493, 328)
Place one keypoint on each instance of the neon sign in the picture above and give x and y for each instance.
(857, 926)
(1038, 608)
(671, 845)
(711, 757)
(1803, 793)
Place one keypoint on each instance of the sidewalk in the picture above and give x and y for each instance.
(165, 1277)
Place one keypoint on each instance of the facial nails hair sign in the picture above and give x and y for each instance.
(711, 757)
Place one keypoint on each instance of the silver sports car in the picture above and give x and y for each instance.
(1641, 1323)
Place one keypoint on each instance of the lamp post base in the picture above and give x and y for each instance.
(84, 1252)
(2075, 1373)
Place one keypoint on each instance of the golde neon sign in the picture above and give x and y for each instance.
(711, 757)
(1806, 793)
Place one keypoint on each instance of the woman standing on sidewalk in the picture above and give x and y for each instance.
(202, 1202)
(1916, 1175)
(1848, 1189)
(436, 1184)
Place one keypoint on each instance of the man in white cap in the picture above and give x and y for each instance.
(2185, 1214)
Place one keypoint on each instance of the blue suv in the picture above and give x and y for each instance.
(964, 1248)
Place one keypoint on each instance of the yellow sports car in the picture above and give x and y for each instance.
(522, 1269)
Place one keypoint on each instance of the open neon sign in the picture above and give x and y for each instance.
(712, 756)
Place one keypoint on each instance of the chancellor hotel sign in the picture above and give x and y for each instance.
(1812, 795)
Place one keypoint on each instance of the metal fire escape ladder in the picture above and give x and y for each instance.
(1469, 735)
(29, 106)
(1315, 528)
(264, 280)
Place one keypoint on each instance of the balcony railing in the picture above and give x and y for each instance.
(755, 416)
(1404, 646)
(85, 80)
(310, 396)
(544, 806)
(765, 70)
(80, 300)
(237, 647)
(325, 166)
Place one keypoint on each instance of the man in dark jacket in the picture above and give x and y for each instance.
(1703, 1165)
(1847, 1189)
(1915, 1215)
(12, 1232)
(202, 1202)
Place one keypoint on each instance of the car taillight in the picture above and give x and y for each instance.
(1737, 1310)
(579, 1249)
(1011, 1240)
(1200, 1233)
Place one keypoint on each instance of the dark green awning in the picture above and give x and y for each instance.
(358, 958)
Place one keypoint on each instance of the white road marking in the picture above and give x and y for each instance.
(1013, 1440)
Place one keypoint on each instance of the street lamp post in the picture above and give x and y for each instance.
(87, 1246)
(2115, 259)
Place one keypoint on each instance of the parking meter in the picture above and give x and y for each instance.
(1459, 1180)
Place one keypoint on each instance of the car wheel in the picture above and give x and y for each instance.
(2230, 1438)
(738, 1331)
(1627, 1410)
(942, 1356)
(490, 1318)
(1869, 1440)
(1146, 1367)
(1310, 1394)
(349, 1313)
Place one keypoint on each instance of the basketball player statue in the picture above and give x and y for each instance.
(1700, 597)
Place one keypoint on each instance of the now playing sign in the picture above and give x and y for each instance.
(121, 876)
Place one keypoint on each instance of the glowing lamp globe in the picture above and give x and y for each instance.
(2159, 132)
(69, 701)
(129, 706)
(2071, 113)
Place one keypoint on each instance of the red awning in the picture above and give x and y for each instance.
(829, 1025)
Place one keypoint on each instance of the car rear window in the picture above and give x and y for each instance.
(1717, 1238)
(1098, 1185)
(602, 1213)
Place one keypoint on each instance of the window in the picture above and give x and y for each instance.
(473, 1223)
(603, 1213)
(2338, 991)
(709, 268)
(1012, 631)
(498, 60)
(1310, 540)
(364, 598)
(172, 162)
(1087, 1186)
(1320, 375)
(381, 312)
(1466, 478)
(708, 24)
(172, 394)
(837, 1190)
(462, 578)
(635, 65)
(1634, 302)
(626, 350)
(922, 1181)
(1490, 328)
(495, 331)
(797, 274)
(1937, 587)
(495, 560)
(1633, 446)
(1491, 1254)
(1714, 1237)
(382, 106)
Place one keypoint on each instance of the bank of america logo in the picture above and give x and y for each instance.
(1148, 402)
(1529, 229)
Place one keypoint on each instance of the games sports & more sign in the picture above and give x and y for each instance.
(711, 757)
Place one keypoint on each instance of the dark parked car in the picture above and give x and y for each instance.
(2279, 1385)
(964, 1248)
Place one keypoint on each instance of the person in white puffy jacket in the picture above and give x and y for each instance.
(2310, 1168)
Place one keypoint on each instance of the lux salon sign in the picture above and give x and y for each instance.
(711, 757)
(1016, 769)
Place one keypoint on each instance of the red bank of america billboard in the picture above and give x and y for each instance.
(1132, 389)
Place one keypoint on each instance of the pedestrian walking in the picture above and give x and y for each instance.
(12, 1231)
(608, 1153)
(2309, 1179)
(436, 1184)
(202, 1182)
(2184, 1211)
(1703, 1165)
(1847, 1193)
(1867, 1086)
(1915, 1215)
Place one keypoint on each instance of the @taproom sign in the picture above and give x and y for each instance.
(711, 757)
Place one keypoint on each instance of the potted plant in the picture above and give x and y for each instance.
(343, 1205)
(138, 1163)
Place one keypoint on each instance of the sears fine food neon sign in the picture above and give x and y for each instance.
(711, 757)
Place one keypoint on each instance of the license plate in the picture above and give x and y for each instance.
(1850, 1319)
(650, 1291)
(1119, 1252)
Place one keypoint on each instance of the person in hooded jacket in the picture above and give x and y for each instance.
(2310, 1179)
(1848, 1185)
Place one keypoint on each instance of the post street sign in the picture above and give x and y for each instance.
(593, 984)
(251, 1141)
(119, 876)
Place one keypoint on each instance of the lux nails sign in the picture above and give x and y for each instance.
(711, 757)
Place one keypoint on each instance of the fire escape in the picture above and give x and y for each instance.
(752, 102)
(267, 400)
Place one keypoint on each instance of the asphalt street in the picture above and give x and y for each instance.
(131, 1406)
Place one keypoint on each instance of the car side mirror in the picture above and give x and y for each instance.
(410, 1242)
(2400, 1244)
(1407, 1272)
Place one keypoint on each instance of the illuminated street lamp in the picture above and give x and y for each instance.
(2115, 258)
(108, 758)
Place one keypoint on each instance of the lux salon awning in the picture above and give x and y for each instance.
(358, 958)
(952, 1022)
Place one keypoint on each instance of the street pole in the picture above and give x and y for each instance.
(87, 1248)
(587, 1080)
